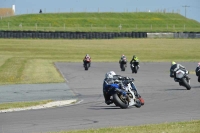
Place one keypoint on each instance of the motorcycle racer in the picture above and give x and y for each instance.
(112, 78)
(87, 56)
(122, 58)
(198, 71)
(174, 68)
(135, 58)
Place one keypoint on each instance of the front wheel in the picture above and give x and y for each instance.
(136, 69)
(186, 84)
(119, 101)
(86, 66)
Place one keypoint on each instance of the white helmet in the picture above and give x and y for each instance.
(110, 74)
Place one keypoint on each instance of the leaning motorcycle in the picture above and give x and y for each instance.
(124, 98)
(198, 73)
(134, 66)
(181, 76)
(87, 63)
(123, 64)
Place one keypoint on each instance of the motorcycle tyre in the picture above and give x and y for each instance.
(138, 103)
(199, 78)
(86, 66)
(136, 68)
(122, 66)
(117, 101)
(186, 84)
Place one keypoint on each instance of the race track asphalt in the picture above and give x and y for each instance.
(165, 101)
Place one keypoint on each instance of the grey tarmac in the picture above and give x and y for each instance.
(165, 100)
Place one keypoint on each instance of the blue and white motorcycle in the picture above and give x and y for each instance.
(123, 98)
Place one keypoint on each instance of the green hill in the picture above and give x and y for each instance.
(101, 22)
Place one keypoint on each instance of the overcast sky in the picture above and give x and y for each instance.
(190, 8)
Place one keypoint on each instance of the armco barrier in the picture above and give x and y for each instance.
(71, 35)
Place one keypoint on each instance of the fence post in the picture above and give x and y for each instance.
(8, 25)
(184, 26)
(64, 26)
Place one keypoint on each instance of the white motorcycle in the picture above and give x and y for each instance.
(181, 76)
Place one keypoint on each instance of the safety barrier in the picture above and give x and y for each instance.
(71, 35)
(94, 35)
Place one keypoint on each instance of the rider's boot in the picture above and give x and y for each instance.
(108, 102)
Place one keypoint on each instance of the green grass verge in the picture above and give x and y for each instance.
(32, 60)
(4, 106)
(101, 22)
(174, 127)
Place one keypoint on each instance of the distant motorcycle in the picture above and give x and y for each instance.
(198, 73)
(123, 64)
(181, 76)
(124, 98)
(134, 66)
(87, 62)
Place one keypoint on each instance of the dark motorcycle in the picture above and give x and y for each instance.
(134, 66)
(198, 73)
(123, 64)
(87, 63)
(123, 98)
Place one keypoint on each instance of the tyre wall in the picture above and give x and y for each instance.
(94, 35)
(71, 35)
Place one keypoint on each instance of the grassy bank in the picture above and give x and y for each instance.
(32, 61)
(175, 127)
(101, 22)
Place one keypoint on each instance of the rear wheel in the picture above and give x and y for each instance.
(119, 101)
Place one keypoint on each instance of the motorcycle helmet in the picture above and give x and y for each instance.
(134, 56)
(173, 63)
(110, 74)
(199, 64)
